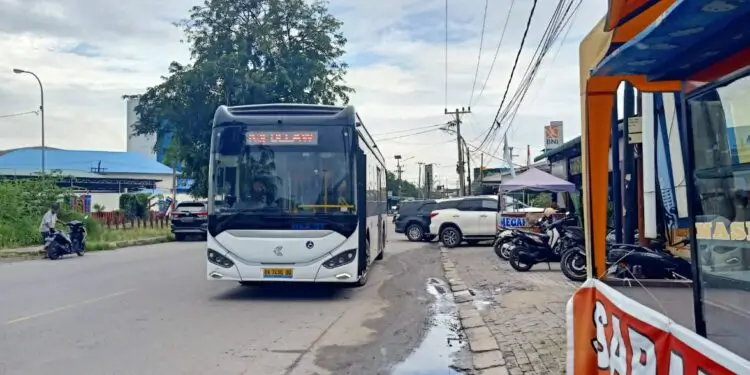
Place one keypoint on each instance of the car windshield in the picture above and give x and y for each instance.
(256, 175)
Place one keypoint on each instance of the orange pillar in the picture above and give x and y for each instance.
(596, 170)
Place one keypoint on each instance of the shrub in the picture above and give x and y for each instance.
(135, 205)
(23, 202)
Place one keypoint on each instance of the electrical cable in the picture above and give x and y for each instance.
(408, 130)
(20, 114)
(406, 135)
(554, 29)
(497, 50)
(479, 56)
(446, 54)
(515, 64)
(558, 21)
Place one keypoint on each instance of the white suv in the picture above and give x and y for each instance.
(470, 219)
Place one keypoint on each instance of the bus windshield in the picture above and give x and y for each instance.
(298, 172)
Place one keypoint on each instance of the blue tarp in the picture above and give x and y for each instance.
(689, 37)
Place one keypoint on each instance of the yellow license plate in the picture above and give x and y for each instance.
(278, 273)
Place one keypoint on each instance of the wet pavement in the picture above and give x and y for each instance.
(440, 351)
(149, 310)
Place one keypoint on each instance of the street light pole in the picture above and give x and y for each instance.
(41, 111)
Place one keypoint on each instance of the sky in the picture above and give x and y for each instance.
(89, 56)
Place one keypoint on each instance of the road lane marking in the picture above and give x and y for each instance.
(62, 308)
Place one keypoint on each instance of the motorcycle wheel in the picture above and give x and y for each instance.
(52, 253)
(499, 250)
(573, 265)
(515, 261)
(79, 253)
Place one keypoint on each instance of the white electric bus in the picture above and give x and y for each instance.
(296, 194)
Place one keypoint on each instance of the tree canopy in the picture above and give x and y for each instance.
(407, 188)
(243, 52)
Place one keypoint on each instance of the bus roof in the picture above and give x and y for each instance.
(300, 114)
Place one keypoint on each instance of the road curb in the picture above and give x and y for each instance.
(102, 246)
(486, 357)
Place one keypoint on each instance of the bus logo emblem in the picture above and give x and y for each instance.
(278, 251)
(310, 244)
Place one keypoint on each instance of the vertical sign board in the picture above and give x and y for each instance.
(553, 135)
(609, 333)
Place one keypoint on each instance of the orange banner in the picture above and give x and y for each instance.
(609, 333)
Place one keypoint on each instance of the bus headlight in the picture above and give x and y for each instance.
(341, 259)
(219, 260)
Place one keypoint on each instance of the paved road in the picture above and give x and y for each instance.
(149, 310)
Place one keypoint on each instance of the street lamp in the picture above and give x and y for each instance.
(41, 110)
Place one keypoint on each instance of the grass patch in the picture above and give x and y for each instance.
(111, 235)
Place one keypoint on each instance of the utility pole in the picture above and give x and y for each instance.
(460, 165)
(468, 167)
(419, 179)
(428, 177)
(481, 167)
(398, 174)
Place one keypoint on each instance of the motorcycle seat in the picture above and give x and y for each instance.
(534, 234)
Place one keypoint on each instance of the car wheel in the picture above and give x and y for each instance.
(450, 237)
(179, 237)
(414, 232)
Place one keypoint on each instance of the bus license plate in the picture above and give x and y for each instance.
(277, 273)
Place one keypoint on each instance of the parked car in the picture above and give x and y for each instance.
(189, 218)
(413, 219)
(470, 219)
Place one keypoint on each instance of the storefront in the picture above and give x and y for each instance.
(699, 51)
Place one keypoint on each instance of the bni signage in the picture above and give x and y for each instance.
(553, 135)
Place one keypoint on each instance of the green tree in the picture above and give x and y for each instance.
(243, 52)
(407, 188)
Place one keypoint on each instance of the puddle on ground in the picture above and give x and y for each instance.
(438, 352)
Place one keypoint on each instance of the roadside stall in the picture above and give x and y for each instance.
(698, 51)
(535, 180)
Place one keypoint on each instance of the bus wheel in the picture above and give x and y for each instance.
(363, 279)
(382, 247)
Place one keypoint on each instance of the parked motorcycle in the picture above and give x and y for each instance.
(58, 243)
(532, 248)
(630, 261)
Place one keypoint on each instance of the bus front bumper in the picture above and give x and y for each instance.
(316, 272)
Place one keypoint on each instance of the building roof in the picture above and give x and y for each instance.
(29, 172)
(103, 162)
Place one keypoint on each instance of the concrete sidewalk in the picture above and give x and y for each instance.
(514, 321)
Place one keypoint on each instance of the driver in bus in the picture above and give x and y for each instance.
(257, 197)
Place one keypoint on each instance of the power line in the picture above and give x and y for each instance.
(515, 64)
(20, 114)
(559, 20)
(497, 50)
(446, 53)
(406, 135)
(408, 130)
(479, 56)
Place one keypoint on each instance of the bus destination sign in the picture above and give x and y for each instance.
(307, 138)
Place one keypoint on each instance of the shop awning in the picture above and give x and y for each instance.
(694, 34)
(621, 11)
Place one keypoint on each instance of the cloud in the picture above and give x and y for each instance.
(87, 57)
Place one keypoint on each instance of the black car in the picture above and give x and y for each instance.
(189, 219)
(413, 219)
